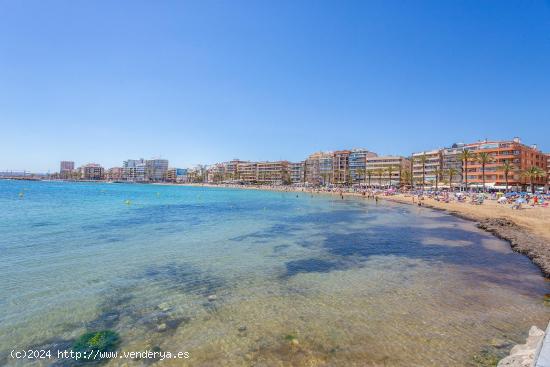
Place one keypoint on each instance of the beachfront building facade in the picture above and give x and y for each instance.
(358, 164)
(521, 156)
(175, 175)
(92, 171)
(547, 170)
(451, 162)
(427, 167)
(133, 170)
(340, 167)
(155, 169)
(319, 168)
(273, 173)
(216, 173)
(66, 167)
(297, 172)
(231, 170)
(114, 174)
(386, 171)
(246, 171)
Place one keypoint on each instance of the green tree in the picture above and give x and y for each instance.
(406, 177)
(483, 158)
(532, 174)
(438, 175)
(379, 172)
(368, 174)
(390, 170)
(507, 167)
(451, 172)
(466, 156)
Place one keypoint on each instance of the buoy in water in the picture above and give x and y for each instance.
(21, 194)
(127, 202)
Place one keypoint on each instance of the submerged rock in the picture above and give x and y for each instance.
(523, 355)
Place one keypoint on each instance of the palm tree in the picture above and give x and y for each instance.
(359, 172)
(507, 167)
(483, 158)
(390, 171)
(406, 177)
(438, 174)
(379, 172)
(465, 157)
(451, 172)
(532, 174)
(368, 174)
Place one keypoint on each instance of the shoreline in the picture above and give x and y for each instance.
(533, 243)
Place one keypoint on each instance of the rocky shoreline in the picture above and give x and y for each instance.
(532, 246)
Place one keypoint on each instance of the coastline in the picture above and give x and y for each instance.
(527, 230)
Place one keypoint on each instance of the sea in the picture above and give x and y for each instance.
(237, 277)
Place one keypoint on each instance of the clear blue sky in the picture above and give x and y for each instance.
(206, 81)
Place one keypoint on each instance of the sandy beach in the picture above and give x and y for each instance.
(534, 219)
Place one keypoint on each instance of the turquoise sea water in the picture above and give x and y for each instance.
(244, 277)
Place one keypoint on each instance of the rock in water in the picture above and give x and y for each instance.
(523, 355)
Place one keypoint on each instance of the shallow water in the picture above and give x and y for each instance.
(297, 280)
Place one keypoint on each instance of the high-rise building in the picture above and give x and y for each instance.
(247, 171)
(358, 164)
(340, 167)
(273, 173)
(451, 160)
(134, 170)
(387, 170)
(426, 166)
(521, 156)
(155, 169)
(92, 171)
(66, 166)
(319, 168)
(297, 174)
(114, 174)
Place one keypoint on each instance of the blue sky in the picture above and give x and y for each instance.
(206, 81)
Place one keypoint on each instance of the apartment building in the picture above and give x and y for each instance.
(273, 173)
(548, 169)
(230, 170)
(391, 168)
(92, 171)
(114, 174)
(247, 171)
(358, 164)
(216, 173)
(297, 172)
(66, 166)
(426, 165)
(521, 156)
(155, 169)
(319, 168)
(451, 159)
(175, 174)
(340, 167)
